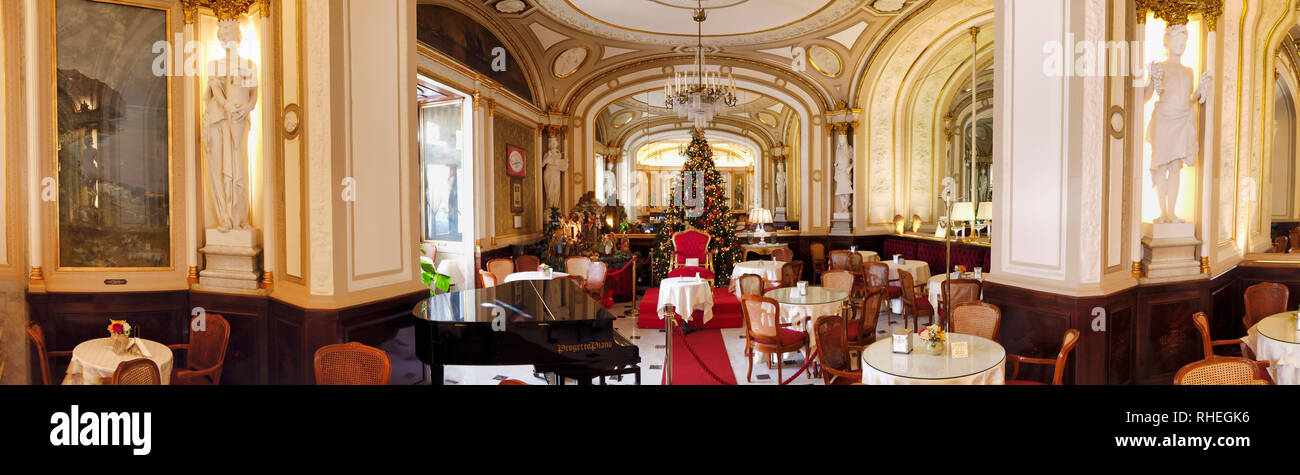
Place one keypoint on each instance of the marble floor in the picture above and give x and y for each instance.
(652, 351)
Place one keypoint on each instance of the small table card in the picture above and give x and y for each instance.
(902, 341)
(692, 262)
(960, 349)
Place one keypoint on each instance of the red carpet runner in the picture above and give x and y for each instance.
(726, 311)
(708, 344)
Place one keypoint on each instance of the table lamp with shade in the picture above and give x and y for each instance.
(963, 212)
(984, 213)
(760, 217)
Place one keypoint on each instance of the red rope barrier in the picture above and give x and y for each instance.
(807, 361)
(695, 355)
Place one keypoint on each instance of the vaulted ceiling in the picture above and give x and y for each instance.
(819, 45)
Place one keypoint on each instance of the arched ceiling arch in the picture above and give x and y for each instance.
(578, 44)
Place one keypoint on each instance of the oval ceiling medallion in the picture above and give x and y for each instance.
(767, 118)
(569, 61)
(668, 22)
(510, 6)
(825, 61)
(622, 118)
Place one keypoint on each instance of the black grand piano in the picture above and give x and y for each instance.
(551, 324)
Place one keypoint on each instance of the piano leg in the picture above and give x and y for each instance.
(436, 375)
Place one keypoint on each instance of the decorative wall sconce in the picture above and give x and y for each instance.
(899, 221)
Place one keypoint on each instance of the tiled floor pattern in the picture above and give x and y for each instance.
(652, 350)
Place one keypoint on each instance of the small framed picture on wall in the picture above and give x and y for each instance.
(516, 197)
(516, 161)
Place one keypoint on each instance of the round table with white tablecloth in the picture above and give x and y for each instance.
(686, 295)
(983, 365)
(801, 309)
(93, 361)
(533, 275)
(869, 256)
(920, 271)
(770, 271)
(934, 288)
(1276, 340)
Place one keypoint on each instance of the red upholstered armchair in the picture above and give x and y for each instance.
(692, 244)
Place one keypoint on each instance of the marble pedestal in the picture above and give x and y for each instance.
(232, 260)
(842, 224)
(1169, 252)
(778, 215)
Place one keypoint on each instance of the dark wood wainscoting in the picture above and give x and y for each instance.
(270, 341)
(1147, 333)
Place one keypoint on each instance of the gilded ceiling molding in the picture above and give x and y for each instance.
(223, 9)
(1177, 12)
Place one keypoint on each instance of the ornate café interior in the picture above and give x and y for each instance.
(649, 192)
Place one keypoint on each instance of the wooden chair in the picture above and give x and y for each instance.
(136, 372)
(1222, 370)
(877, 274)
(692, 244)
(486, 280)
(501, 268)
(37, 335)
(1071, 337)
(839, 279)
(1281, 244)
(913, 306)
(1264, 299)
(783, 255)
(956, 292)
(855, 262)
(205, 354)
(833, 351)
(1295, 239)
(791, 272)
(751, 284)
(1203, 326)
(977, 318)
(352, 363)
(765, 333)
(862, 330)
(818, 251)
(842, 260)
(595, 279)
(526, 263)
(577, 266)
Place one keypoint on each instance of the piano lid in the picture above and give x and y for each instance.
(522, 301)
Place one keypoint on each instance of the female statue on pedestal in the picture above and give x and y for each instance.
(1172, 131)
(552, 165)
(780, 185)
(229, 98)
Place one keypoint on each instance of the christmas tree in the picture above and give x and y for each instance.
(712, 216)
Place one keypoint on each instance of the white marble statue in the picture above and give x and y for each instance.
(843, 173)
(1172, 130)
(553, 164)
(780, 185)
(611, 185)
(229, 98)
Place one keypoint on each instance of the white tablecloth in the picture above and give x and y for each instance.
(919, 367)
(768, 270)
(934, 288)
(93, 361)
(1283, 357)
(532, 275)
(869, 256)
(920, 273)
(687, 295)
(994, 376)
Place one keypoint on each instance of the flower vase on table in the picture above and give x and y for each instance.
(119, 335)
(934, 338)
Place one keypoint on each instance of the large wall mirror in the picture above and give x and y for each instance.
(1283, 193)
(114, 136)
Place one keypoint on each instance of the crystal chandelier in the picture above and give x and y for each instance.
(699, 95)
